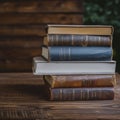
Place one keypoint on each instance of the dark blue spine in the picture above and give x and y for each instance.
(66, 53)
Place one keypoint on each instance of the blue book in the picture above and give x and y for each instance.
(69, 53)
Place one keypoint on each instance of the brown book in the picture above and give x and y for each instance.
(70, 94)
(77, 40)
(69, 81)
(80, 29)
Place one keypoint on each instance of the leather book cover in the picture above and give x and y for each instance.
(77, 40)
(69, 81)
(74, 94)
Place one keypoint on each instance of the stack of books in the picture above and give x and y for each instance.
(76, 62)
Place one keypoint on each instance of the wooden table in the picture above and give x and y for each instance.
(22, 98)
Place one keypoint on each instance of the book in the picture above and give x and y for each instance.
(74, 81)
(77, 40)
(72, 94)
(43, 67)
(80, 29)
(68, 53)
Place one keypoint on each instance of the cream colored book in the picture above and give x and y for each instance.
(43, 67)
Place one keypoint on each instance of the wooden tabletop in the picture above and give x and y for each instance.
(22, 98)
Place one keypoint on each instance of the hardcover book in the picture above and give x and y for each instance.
(70, 94)
(43, 67)
(68, 53)
(74, 81)
(80, 29)
(77, 40)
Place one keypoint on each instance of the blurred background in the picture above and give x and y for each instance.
(105, 12)
(22, 26)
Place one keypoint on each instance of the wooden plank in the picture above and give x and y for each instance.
(21, 101)
(17, 79)
(16, 65)
(117, 87)
(52, 112)
(27, 18)
(22, 30)
(18, 53)
(36, 6)
(20, 42)
(17, 59)
(21, 81)
(9, 65)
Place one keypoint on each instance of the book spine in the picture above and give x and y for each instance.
(78, 40)
(62, 94)
(80, 81)
(80, 53)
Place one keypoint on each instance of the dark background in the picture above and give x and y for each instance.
(105, 12)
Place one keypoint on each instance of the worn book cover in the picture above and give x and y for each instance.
(72, 94)
(72, 53)
(77, 40)
(74, 81)
(80, 29)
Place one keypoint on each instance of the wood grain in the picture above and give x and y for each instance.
(17, 59)
(16, 65)
(38, 6)
(17, 53)
(22, 98)
(20, 42)
(22, 30)
(36, 18)
(22, 25)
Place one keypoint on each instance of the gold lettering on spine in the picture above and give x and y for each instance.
(99, 40)
(91, 94)
(84, 94)
(101, 92)
(52, 39)
(62, 40)
(95, 94)
(103, 40)
(85, 43)
(69, 53)
(81, 95)
(64, 55)
(60, 54)
(72, 36)
(48, 41)
(110, 40)
(56, 39)
(88, 95)
(73, 94)
(61, 94)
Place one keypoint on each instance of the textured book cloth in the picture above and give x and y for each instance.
(74, 81)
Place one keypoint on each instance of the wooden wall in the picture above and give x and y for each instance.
(22, 26)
